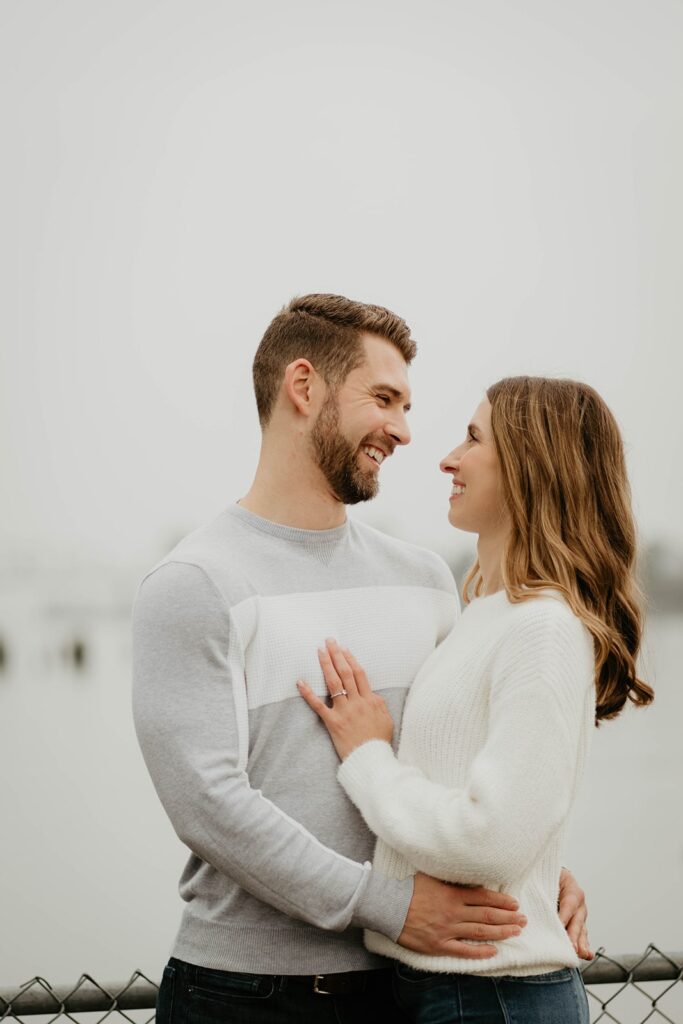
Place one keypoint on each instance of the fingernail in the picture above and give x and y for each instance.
(330, 640)
(523, 920)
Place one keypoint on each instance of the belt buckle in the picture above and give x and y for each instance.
(316, 982)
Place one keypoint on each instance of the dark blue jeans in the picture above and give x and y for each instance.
(197, 995)
(555, 998)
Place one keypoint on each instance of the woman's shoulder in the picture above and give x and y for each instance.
(545, 644)
(539, 618)
(547, 616)
(533, 604)
(546, 628)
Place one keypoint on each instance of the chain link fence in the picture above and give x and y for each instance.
(624, 989)
(633, 989)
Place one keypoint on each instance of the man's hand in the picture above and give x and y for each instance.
(443, 920)
(574, 913)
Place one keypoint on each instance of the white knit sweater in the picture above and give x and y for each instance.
(492, 749)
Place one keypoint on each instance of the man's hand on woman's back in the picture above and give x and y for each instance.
(454, 920)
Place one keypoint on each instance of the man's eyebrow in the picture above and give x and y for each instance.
(394, 392)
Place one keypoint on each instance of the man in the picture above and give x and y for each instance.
(279, 885)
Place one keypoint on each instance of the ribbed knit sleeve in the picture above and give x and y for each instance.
(520, 783)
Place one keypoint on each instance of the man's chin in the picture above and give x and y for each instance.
(358, 492)
(358, 499)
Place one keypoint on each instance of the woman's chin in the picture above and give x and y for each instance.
(456, 519)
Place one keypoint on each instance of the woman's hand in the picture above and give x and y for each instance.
(574, 913)
(357, 714)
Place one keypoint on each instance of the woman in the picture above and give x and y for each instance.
(497, 724)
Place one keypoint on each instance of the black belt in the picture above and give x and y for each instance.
(347, 983)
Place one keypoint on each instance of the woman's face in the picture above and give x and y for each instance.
(476, 502)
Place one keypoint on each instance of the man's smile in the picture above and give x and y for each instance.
(376, 455)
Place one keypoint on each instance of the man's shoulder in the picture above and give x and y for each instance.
(202, 560)
(411, 562)
(206, 543)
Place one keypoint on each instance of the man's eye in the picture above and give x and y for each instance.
(384, 398)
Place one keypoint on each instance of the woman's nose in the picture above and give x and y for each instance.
(449, 463)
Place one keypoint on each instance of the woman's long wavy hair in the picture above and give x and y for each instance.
(565, 485)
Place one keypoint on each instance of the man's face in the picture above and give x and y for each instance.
(360, 425)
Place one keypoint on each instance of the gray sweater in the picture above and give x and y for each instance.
(278, 879)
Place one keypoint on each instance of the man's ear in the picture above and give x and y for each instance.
(302, 386)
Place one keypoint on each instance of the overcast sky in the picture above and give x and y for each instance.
(505, 175)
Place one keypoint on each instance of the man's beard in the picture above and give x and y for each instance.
(338, 459)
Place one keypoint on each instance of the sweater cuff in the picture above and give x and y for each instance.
(363, 767)
(383, 906)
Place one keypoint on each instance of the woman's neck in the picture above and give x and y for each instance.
(490, 552)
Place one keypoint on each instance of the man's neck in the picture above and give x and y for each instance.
(292, 492)
(306, 515)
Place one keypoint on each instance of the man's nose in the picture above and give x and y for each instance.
(399, 430)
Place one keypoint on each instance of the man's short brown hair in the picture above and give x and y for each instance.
(326, 330)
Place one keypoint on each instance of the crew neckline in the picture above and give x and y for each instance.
(291, 533)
